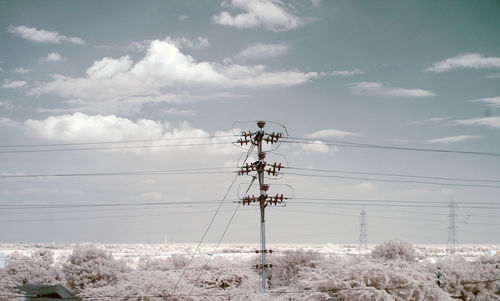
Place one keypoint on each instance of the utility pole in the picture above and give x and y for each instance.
(263, 200)
(363, 237)
(452, 227)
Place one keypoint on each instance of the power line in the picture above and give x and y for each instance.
(393, 180)
(110, 147)
(378, 146)
(394, 175)
(185, 171)
(209, 225)
(112, 142)
(389, 201)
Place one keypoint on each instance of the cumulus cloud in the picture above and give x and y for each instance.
(270, 14)
(42, 36)
(80, 127)
(346, 72)
(183, 42)
(470, 60)
(330, 133)
(453, 139)
(8, 84)
(54, 57)
(21, 70)
(164, 66)
(9, 123)
(198, 43)
(380, 89)
(493, 122)
(259, 50)
(491, 101)
(316, 147)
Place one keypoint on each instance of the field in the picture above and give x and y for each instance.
(395, 270)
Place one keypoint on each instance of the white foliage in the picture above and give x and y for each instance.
(394, 249)
(91, 267)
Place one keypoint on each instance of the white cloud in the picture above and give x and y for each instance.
(173, 111)
(270, 14)
(8, 84)
(330, 133)
(183, 42)
(494, 75)
(470, 60)
(164, 66)
(453, 139)
(138, 46)
(54, 57)
(316, 147)
(315, 3)
(42, 36)
(346, 72)
(379, 89)
(8, 105)
(183, 17)
(493, 122)
(7, 122)
(259, 50)
(152, 195)
(80, 127)
(434, 120)
(491, 101)
(198, 43)
(22, 70)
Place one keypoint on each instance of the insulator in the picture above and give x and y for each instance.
(241, 141)
(264, 187)
(261, 124)
(262, 156)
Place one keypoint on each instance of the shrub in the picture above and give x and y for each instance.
(39, 268)
(89, 267)
(286, 267)
(394, 250)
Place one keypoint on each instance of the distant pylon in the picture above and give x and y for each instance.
(363, 237)
(452, 227)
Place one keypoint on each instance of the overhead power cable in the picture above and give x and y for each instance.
(184, 171)
(109, 147)
(394, 180)
(112, 142)
(368, 201)
(392, 205)
(394, 175)
(379, 146)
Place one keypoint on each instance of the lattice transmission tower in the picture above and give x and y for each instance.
(452, 227)
(363, 237)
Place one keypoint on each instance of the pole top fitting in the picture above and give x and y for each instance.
(261, 124)
(264, 187)
(262, 156)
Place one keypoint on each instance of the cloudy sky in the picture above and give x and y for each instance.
(405, 74)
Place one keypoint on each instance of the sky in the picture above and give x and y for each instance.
(407, 74)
